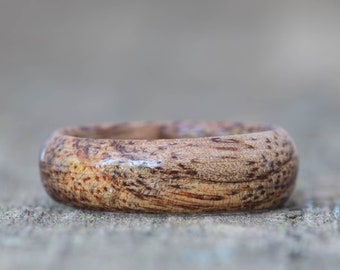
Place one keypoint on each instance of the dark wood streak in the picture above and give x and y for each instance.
(226, 148)
(225, 140)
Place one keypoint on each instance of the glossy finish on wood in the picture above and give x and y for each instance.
(178, 167)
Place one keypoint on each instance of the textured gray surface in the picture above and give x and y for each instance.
(77, 62)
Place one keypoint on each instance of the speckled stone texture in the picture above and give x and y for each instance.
(66, 63)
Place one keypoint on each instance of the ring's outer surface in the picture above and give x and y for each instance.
(178, 167)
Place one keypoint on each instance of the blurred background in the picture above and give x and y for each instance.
(80, 62)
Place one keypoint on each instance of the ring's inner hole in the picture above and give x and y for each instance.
(168, 130)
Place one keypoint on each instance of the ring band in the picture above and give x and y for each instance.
(177, 167)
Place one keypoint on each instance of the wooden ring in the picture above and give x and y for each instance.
(178, 167)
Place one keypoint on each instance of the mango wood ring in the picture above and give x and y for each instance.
(177, 167)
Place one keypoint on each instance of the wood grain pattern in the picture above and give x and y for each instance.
(178, 167)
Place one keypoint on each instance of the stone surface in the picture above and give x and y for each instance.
(86, 62)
